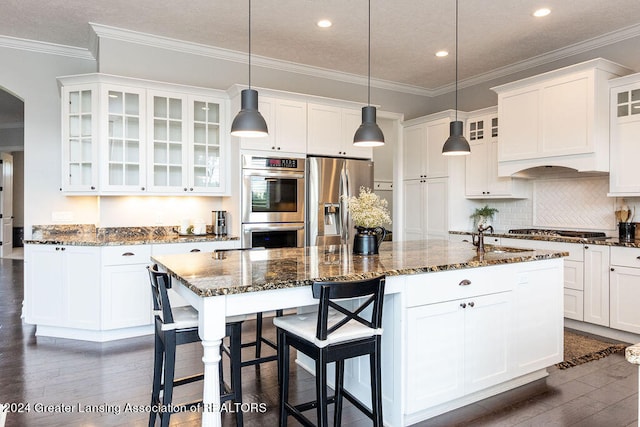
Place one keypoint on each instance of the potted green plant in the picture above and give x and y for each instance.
(483, 216)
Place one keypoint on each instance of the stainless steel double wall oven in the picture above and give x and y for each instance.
(272, 201)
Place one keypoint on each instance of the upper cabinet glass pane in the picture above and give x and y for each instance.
(623, 97)
(132, 104)
(159, 107)
(115, 102)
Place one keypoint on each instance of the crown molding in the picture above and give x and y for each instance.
(105, 31)
(545, 58)
(44, 47)
(108, 32)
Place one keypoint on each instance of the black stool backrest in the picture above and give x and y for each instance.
(159, 284)
(328, 291)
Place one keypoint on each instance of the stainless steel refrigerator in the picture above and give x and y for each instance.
(327, 219)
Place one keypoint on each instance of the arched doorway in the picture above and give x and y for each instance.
(12, 175)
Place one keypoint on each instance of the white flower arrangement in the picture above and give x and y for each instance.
(368, 210)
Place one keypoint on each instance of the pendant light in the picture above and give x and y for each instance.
(456, 144)
(368, 134)
(249, 122)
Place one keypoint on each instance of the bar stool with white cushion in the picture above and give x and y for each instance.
(179, 325)
(339, 330)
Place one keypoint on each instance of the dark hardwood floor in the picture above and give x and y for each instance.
(95, 382)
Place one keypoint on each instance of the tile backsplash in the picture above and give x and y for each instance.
(571, 203)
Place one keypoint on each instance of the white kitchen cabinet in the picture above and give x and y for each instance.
(330, 131)
(80, 103)
(422, 146)
(596, 284)
(62, 288)
(426, 208)
(557, 118)
(123, 166)
(167, 149)
(625, 289)
(126, 290)
(538, 311)
(473, 331)
(287, 124)
(131, 136)
(625, 133)
(574, 271)
(481, 177)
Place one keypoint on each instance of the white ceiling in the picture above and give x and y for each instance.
(405, 33)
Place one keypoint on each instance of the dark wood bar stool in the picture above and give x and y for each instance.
(335, 333)
(259, 337)
(176, 326)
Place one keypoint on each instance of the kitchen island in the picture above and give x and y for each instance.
(458, 326)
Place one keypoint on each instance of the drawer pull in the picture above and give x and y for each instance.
(128, 254)
(195, 250)
(465, 282)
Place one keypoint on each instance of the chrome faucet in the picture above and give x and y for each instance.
(480, 242)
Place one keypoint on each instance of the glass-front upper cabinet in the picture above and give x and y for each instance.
(79, 136)
(167, 143)
(125, 136)
(206, 173)
(123, 152)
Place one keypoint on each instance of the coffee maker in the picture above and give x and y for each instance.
(219, 222)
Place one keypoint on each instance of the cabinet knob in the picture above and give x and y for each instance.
(93, 188)
(638, 257)
(142, 188)
(185, 188)
(471, 304)
(278, 148)
(613, 269)
(57, 248)
(465, 282)
(190, 189)
(463, 305)
(586, 247)
(62, 248)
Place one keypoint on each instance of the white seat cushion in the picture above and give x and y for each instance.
(183, 317)
(187, 317)
(304, 326)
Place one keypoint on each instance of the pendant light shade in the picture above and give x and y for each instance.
(249, 123)
(456, 144)
(368, 134)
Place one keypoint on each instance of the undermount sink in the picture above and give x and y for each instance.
(504, 249)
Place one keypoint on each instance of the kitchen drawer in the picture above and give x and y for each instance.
(446, 286)
(128, 254)
(628, 257)
(183, 248)
(574, 304)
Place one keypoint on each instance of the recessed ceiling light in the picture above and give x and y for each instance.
(442, 53)
(541, 12)
(324, 23)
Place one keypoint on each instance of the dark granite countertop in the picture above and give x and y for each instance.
(90, 235)
(210, 274)
(610, 241)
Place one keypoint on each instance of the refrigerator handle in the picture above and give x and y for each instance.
(344, 191)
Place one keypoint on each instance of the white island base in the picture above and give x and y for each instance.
(447, 344)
